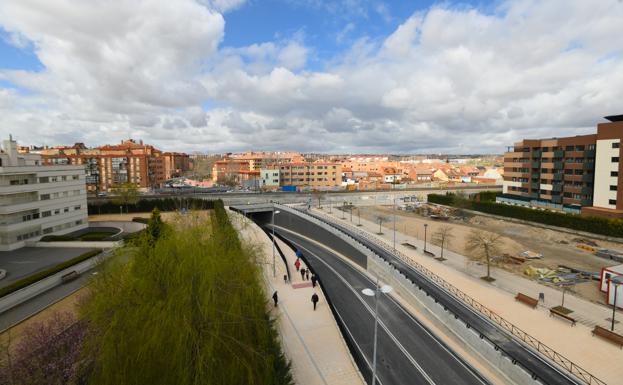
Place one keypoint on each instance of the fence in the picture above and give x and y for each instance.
(516, 332)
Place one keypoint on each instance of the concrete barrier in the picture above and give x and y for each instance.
(9, 301)
(79, 244)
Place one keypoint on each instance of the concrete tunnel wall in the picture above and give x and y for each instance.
(302, 226)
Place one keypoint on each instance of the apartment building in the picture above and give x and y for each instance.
(37, 200)
(269, 178)
(312, 175)
(578, 174)
(127, 162)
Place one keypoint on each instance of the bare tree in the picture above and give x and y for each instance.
(318, 195)
(381, 218)
(443, 236)
(485, 245)
(125, 194)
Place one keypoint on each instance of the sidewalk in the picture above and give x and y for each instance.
(311, 339)
(599, 357)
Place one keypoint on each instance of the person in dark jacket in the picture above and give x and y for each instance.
(275, 298)
(313, 279)
(314, 300)
(303, 273)
(285, 278)
(307, 275)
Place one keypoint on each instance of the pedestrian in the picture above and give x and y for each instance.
(285, 278)
(315, 300)
(307, 274)
(303, 273)
(313, 279)
(297, 264)
(275, 298)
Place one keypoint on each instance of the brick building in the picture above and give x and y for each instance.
(312, 175)
(573, 174)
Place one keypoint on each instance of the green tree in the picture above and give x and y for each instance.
(155, 226)
(125, 194)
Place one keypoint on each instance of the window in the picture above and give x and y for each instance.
(66, 210)
(64, 177)
(54, 179)
(57, 211)
(44, 179)
(613, 188)
(616, 145)
(77, 207)
(47, 230)
(44, 197)
(615, 159)
(46, 214)
(75, 177)
(614, 173)
(612, 202)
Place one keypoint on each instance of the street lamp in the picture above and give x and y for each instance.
(343, 208)
(273, 225)
(394, 214)
(425, 226)
(358, 216)
(616, 281)
(376, 293)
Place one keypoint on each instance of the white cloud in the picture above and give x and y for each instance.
(447, 79)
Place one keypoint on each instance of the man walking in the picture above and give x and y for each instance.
(307, 274)
(303, 274)
(285, 278)
(313, 279)
(275, 298)
(314, 300)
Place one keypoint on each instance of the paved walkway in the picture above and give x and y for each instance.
(599, 357)
(311, 339)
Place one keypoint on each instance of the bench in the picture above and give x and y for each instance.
(69, 276)
(607, 334)
(553, 311)
(430, 254)
(410, 245)
(527, 300)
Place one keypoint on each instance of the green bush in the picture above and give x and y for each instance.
(591, 224)
(46, 273)
(187, 308)
(147, 205)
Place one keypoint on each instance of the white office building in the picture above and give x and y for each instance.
(37, 200)
(269, 178)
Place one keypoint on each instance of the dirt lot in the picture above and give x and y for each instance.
(556, 247)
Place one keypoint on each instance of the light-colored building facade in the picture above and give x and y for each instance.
(38, 200)
(312, 175)
(269, 178)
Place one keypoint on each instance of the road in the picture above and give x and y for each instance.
(407, 352)
(530, 360)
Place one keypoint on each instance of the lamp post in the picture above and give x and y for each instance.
(273, 225)
(358, 216)
(376, 293)
(394, 220)
(351, 214)
(616, 281)
(343, 207)
(425, 226)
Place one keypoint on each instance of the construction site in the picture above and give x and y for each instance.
(554, 258)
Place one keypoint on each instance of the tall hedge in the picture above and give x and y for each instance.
(188, 308)
(147, 205)
(591, 224)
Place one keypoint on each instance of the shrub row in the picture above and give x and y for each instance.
(596, 225)
(46, 273)
(147, 205)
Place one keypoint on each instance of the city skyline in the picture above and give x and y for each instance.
(309, 76)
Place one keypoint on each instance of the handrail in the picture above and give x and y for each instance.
(516, 332)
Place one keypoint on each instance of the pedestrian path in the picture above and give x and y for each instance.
(597, 356)
(311, 339)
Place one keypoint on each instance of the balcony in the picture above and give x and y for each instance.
(587, 190)
(586, 202)
(588, 177)
(573, 178)
(556, 199)
(589, 153)
(589, 166)
(534, 195)
(559, 154)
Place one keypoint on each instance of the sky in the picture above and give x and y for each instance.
(340, 76)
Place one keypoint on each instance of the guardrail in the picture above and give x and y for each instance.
(516, 332)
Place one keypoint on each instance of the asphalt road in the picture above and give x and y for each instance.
(524, 356)
(407, 352)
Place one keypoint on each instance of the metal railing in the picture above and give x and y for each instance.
(516, 332)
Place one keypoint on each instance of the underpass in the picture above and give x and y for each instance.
(287, 222)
